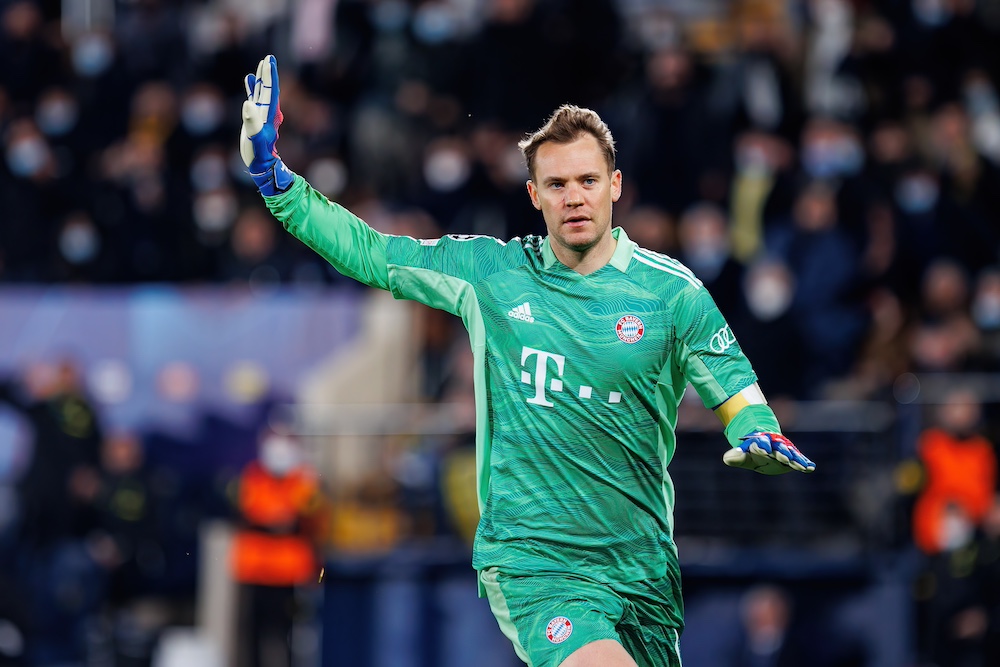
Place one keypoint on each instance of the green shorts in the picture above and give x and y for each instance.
(548, 617)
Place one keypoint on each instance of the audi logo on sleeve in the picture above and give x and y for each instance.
(722, 340)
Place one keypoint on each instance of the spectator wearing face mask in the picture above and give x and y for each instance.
(764, 326)
(831, 151)
(986, 316)
(825, 264)
(275, 550)
(703, 233)
(762, 186)
(31, 184)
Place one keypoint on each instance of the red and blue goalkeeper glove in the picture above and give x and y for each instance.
(261, 118)
(767, 453)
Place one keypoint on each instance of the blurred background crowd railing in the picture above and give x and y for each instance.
(185, 387)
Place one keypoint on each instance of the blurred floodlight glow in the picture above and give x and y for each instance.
(246, 381)
(178, 381)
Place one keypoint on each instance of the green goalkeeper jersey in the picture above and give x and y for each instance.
(578, 380)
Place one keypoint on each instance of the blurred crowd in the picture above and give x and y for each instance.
(101, 538)
(830, 170)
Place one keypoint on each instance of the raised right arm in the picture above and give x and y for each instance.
(342, 238)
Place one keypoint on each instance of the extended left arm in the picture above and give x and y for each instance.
(711, 359)
(762, 449)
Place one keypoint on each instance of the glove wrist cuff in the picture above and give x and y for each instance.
(275, 180)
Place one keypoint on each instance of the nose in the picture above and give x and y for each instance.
(574, 197)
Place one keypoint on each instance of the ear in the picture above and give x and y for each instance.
(616, 185)
(533, 194)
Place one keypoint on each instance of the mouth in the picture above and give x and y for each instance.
(576, 221)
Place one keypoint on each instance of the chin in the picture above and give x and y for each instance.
(579, 242)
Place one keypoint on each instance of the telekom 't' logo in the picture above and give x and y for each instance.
(555, 384)
(541, 372)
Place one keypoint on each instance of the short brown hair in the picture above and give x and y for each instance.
(565, 125)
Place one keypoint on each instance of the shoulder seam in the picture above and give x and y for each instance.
(672, 267)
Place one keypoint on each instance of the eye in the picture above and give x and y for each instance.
(590, 181)
(555, 186)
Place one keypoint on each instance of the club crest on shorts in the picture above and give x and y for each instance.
(559, 629)
(630, 329)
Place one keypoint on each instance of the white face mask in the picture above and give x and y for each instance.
(827, 158)
(27, 157)
(328, 175)
(917, 193)
(986, 310)
(79, 242)
(92, 55)
(753, 159)
(768, 297)
(446, 170)
(956, 530)
(707, 257)
(202, 114)
(279, 455)
(57, 116)
(208, 172)
(215, 211)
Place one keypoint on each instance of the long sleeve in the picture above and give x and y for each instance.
(343, 239)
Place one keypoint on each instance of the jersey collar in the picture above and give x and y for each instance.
(620, 259)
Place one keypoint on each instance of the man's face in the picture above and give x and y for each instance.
(574, 190)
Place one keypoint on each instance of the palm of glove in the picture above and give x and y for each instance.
(767, 453)
(259, 134)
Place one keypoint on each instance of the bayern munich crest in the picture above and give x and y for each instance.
(559, 629)
(630, 329)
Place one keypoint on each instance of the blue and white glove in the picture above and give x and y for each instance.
(767, 453)
(261, 118)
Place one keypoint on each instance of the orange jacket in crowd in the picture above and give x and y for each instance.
(274, 550)
(961, 472)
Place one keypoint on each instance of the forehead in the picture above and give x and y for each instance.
(583, 155)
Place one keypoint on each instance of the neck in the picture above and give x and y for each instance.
(589, 259)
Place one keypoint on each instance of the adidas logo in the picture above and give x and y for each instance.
(522, 312)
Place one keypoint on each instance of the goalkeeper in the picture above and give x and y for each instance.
(584, 344)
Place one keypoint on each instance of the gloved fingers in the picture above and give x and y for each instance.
(735, 458)
(758, 440)
(786, 452)
(246, 146)
(738, 458)
(261, 67)
(252, 119)
(249, 83)
(266, 90)
(778, 448)
(274, 99)
(792, 457)
(783, 458)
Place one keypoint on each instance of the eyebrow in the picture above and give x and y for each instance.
(584, 176)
